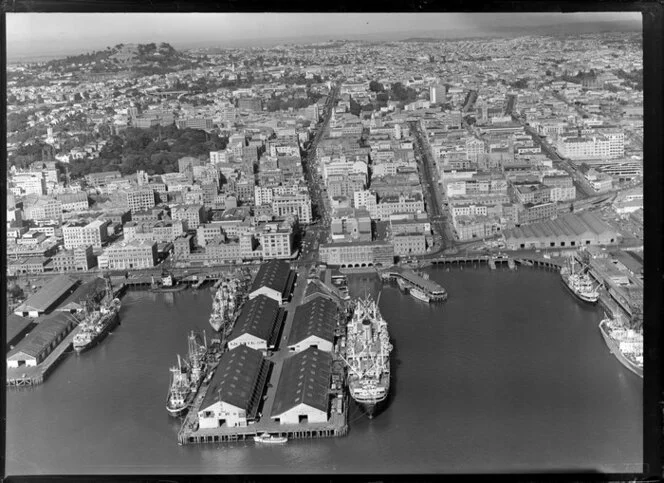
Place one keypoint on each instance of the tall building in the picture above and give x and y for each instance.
(298, 204)
(437, 94)
(82, 235)
(140, 199)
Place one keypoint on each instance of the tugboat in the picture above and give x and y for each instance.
(98, 322)
(579, 283)
(368, 350)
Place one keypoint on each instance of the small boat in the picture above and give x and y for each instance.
(268, 438)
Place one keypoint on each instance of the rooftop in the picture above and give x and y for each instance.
(274, 274)
(258, 317)
(43, 334)
(49, 294)
(317, 317)
(305, 379)
(235, 380)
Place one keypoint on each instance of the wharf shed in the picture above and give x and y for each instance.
(303, 390)
(48, 297)
(236, 389)
(93, 290)
(571, 230)
(313, 325)
(274, 279)
(41, 341)
(258, 325)
(17, 328)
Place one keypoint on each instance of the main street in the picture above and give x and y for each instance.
(443, 235)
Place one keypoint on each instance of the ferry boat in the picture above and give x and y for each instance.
(419, 295)
(368, 355)
(268, 438)
(625, 344)
(98, 322)
(579, 283)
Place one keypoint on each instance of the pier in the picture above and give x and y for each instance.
(337, 424)
(31, 376)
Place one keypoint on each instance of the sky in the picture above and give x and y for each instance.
(34, 34)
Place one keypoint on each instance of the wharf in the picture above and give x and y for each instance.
(337, 425)
(31, 376)
(428, 286)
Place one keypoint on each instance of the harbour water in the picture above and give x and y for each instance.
(510, 374)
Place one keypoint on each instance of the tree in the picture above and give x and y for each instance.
(376, 86)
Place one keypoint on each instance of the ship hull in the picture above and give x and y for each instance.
(176, 412)
(371, 408)
(615, 350)
(422, 297)
(583, 298)
(177, 288)
(113, 322)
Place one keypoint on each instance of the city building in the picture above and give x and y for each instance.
(276, 240)
(292, 204)
(192, 215)
(80, 234)
(140, 199)
(357, 254)
(130, 255)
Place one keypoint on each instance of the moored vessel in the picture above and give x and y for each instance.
(368, 350)
(179, 392)
(625, 344)
(268, 438)
(579, 282)
(98, 322)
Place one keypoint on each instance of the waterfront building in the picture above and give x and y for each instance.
(236, 389)
(276, 240)
(131, 255)
(41, 341)
(571, 230)
(94, 233)
(80, 258)
(221, 251)
(275, 280)
(357, 254)
(207, 232)
(48, 297)
(406, 244)
(258, 324)
(17, 328)
(76, 302)
(303, 390)
(140, 199)
(314, 324)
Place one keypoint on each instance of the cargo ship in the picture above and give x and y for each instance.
(579, 282)
(368, 356)
(625, 344)
(98, 322)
